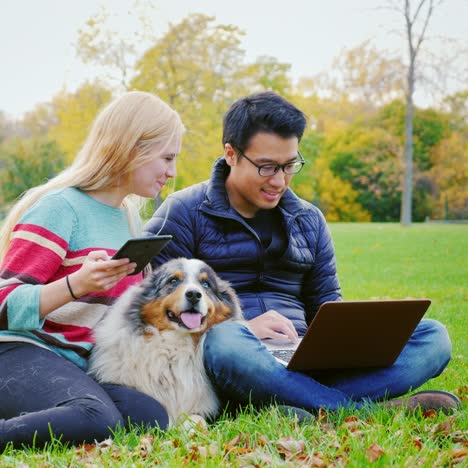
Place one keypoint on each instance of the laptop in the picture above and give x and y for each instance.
(352, 334)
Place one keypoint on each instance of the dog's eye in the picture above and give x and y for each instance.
(173, 280)
(205, 284)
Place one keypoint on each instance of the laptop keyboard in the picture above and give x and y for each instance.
(283, 354)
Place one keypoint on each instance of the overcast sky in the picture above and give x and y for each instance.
(37, 36)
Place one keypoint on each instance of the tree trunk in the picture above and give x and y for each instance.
(407, 193)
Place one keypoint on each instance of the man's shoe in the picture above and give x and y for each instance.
(427, 400)
(301, 415)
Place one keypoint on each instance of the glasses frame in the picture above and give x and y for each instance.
(277, 166)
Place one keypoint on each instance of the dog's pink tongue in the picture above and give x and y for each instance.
(190, 319)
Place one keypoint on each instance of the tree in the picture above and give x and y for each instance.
(368, 158)
(40, 120)
(316, 183)
(7, 127)
(449, 175)
(417, 15)
(27, 163)
(366, 75)
(74, 114)
(198, 68)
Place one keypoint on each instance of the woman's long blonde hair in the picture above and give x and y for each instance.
(119, 141)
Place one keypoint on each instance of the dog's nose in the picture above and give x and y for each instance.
(193, 296)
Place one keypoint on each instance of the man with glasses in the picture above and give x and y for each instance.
(276, 251)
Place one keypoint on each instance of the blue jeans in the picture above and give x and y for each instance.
(243, 371)
(41, 392)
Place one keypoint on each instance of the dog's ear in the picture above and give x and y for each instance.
(227, 295)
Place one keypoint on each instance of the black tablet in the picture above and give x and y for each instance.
(142, 249)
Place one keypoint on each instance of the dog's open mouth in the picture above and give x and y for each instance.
(188, 319)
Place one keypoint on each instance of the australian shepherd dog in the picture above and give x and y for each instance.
(151, 339)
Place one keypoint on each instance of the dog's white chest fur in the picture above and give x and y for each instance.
(166, 366)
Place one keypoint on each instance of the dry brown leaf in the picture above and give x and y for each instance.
(235, 441)
(374, 452)
(460, 437)
(238, 450)
(146, 444)
(315, 461)
(288, 446)
(255, 458)
(105, 444)
(418, 443)
(351, 425)
(430, 413)
(85, 447)
(351, 419)
(457, 455)
(263, 440)
(327, 427)
(322, 415)
(443, 428)
(462, 391)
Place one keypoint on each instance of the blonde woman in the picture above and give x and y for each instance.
(57, 278)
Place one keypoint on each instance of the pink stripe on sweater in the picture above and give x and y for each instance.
(71, 333)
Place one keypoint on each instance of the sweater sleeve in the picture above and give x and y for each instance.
(37, 249)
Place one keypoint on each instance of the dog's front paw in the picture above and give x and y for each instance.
(192, 423)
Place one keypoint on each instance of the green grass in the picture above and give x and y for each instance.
(374, 261)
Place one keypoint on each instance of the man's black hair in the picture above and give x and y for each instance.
(261, 112)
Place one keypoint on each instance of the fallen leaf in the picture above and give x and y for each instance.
(418, 443)
(352, 423)
(233, 442)
(322, 415)
(146, 444)
(288, 446)
(374, 452)
(85, 447)
(256, 458)
(443, 428)
(106, 443)
(460, 437)
(351, 418)
(430, 413)
(457, 455)
(314, 460)
(463, 391)
(263, 440)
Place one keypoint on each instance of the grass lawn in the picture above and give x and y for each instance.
(374, 261)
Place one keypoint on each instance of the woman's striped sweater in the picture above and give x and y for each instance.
(51, 241)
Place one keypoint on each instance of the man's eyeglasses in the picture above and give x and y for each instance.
(268, 170)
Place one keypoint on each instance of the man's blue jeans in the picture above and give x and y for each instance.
(243, 371)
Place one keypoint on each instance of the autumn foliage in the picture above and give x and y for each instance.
(353, 145)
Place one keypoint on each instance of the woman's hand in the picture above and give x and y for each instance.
(99, 273)
(272, 324)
